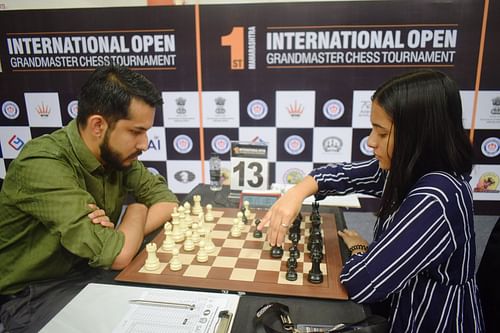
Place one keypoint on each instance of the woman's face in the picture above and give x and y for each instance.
(381, 138)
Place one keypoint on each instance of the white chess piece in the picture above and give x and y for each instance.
(209, 245)
(197, 209)
(188, 220)
(239, 216)
(152, 261)
(209, 216)
(168, 242)
(246, 204)
(175, 263)
(196, 235)
(177, 234)
(188, 243)
(187, 208)
(202, 255)
(202, 228)
(235, 229)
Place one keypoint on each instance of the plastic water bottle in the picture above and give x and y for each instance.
(215, 173)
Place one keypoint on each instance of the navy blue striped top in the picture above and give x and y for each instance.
(422, 256)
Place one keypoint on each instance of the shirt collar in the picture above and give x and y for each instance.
(82, 152)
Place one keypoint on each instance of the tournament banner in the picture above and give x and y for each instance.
(297, 76)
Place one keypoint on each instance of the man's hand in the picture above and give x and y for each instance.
(98, 216)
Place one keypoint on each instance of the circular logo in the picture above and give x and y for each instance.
(73, 109)
(491, 147)
(293, 176)
(221, 144)
(365, 149)
(10, 110)
(257, 109)
(184, 176)
(153, 171)
(183, 144)
(333, 109)
(294, 145)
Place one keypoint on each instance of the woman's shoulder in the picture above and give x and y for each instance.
(441, 184)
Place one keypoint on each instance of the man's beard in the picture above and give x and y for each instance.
(112, 159)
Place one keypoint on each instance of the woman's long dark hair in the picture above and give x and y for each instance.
(426, 110)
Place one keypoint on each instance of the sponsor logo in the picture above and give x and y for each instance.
(294, 145)
(181, 103)
(332, 144)
(295, 110)
(154, 143)
(73, 109)
(221, 144)
(219, 105)
(183, 144)
(496, 105)
(491, 147)
(365, 149)
(487, 183)
(333, 109)
(257, 109)
(43, 110)
(10, 110)
(16, 142)
(153, 171)
(293, 176)
(184, 176)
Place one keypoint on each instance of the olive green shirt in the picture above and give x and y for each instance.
(44, 228)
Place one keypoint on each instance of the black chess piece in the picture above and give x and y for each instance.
(315, 274)
(257, 233)
(294, 251)
(276, 252)
(244, 218)
(291, 262)
(291, 274)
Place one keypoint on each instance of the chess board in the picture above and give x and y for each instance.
(244, 264)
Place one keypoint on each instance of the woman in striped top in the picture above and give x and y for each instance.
(422, 258)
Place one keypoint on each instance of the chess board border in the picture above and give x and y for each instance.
(330, 288)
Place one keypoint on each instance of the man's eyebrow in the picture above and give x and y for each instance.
(140, 128)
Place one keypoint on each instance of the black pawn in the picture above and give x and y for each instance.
(291, 262)
(257, 233)
(244, 218)
(276, 252)
(294, 251)
(291, 274)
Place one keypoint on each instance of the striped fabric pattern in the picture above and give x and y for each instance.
(423, 255)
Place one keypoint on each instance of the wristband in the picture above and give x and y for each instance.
(362, 247)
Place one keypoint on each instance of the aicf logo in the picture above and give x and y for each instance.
(16, 142)
(293, 176)
(294, 145)
(333, 109)
(365, 149)
(491, 147)
(73, 109)
(184, 176)
(257, 109)
(10, 110)
(332, 144)
(183, 144)
(221, 144)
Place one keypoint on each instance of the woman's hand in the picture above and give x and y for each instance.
(352, 238)
(98, 216)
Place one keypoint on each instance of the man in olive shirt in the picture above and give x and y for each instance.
(64, 193)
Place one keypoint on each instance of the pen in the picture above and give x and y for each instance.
(225, 319)
(162, 303)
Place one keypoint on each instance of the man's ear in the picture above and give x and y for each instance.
(97, 125)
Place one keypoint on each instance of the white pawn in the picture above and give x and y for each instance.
(209, 245)
(197, 209)
(235, 229)
(202, 255)
(188, 220)
(168, 243)
(188, 243)
(209, 216)
(196, 235)
(187, 208)
(175, 263)
(246, 204)
(152, 261)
